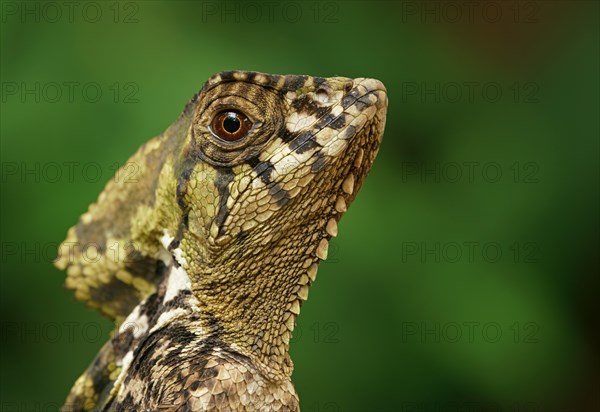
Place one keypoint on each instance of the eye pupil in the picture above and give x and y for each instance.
(231, 123)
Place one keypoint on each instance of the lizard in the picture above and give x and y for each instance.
(204, 257)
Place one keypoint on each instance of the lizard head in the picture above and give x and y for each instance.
(270, 165)
(244, 192)
(269, 156)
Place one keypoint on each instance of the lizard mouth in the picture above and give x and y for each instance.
(360, 155)
(351, 153)
(364, 115)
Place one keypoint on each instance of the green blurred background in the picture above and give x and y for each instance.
(465, 276)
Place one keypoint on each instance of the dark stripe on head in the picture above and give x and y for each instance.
(250, 77)
(273, 79)
(332, 121)
(224, 176)
(362, 103)
(325, 120)
(349, 99)
(305, 104)
(293, 83)
(182, 182)
(319, 164)
(322, 111)
(287, 136)
(227, 76)
(279, 194)
(304, 142)
(263, 169)
(338, 122)
(349, 132)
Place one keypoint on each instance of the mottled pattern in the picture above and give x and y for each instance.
(223, 240)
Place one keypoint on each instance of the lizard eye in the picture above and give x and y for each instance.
(230, 125)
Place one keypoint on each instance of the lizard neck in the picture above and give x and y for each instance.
(252, 298)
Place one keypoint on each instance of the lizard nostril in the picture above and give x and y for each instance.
(322, 96)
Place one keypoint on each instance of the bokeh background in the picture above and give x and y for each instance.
(465, 276)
